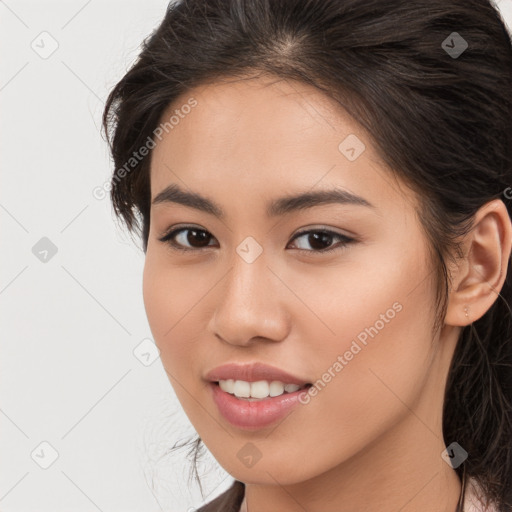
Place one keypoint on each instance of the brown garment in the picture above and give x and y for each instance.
(229, 501)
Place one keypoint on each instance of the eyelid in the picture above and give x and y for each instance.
(345, 240)
(174, 230)
(324, 229)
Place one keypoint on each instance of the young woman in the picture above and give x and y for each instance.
(323, 191)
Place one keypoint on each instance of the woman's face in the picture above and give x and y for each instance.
(250, 290)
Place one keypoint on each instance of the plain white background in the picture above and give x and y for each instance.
(68, 374)
(78, 395)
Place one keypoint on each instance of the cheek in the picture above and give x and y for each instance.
(379, 355)
(375, 297)
(376, 315)
(170, 301)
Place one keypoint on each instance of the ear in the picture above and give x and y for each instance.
(478, 278)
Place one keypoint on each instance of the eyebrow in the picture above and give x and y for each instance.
(281, 206)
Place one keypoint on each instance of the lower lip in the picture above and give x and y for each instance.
(254, 415)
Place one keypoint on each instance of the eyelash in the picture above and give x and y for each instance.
(345, 240)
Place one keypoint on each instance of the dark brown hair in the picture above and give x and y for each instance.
(441, 121)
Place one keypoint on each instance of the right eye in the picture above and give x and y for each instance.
(177, 238)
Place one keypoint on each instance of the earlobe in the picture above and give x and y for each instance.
(480, 275)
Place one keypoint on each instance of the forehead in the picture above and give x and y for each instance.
(268, 110)
(259, 135)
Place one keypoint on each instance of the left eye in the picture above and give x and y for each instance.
(319, 239)
(322, 238)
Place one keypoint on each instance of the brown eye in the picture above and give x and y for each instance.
(191, 238)
(321, 240)
(179, 238)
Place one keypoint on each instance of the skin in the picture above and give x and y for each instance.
(372, 438)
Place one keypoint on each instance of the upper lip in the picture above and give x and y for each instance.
(252, 373)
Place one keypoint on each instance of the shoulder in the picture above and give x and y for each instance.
(475, 499)
(229, 501)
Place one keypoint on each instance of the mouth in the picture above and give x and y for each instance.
(259, 390)
(253, 396)
(251, 413)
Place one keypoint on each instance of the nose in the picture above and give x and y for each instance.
(250, 305)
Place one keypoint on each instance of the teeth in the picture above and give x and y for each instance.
(227, 385)
(276, 388)
(242, 389)
(257, 390)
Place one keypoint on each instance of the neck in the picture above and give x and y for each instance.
(415, 480)
(402, 470)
